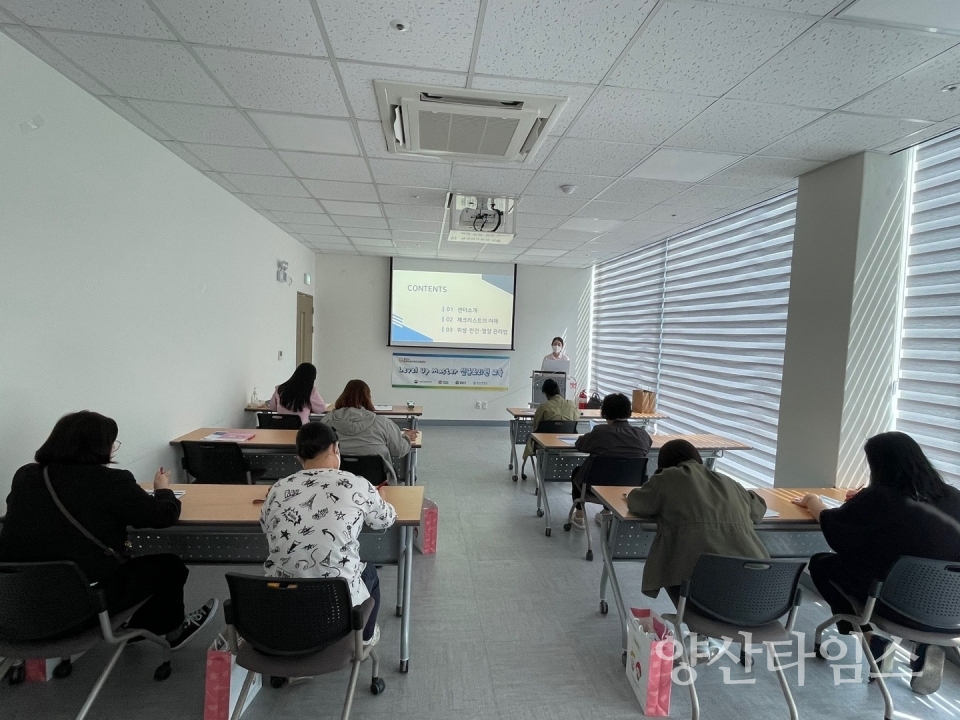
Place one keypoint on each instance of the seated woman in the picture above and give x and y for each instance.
(72, 469)
(697, 511)
(362, 432)
(907, 510)
(298, 396)
(616, 438)
(313, 519)
(555, 408)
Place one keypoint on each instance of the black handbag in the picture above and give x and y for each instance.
(121, 558)
(594, 402)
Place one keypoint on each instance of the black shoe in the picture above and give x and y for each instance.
(927, 669)
(193, 623)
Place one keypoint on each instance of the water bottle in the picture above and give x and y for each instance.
(254, 399)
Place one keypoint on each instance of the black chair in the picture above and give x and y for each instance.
(49, 610)
(741, 600)
(605, 470)
(298, 627)
(276, 421)
(367, 466)
(925, 593)
(218, 463)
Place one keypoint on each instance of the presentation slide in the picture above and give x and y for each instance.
(448, 304)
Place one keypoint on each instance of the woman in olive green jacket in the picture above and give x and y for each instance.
(697, 511)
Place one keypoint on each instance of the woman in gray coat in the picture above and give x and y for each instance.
(362, 432)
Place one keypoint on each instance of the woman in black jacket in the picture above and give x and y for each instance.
(72, 468)
(907, 510)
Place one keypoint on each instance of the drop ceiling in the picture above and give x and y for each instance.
(678, 111)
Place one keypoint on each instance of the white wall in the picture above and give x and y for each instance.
(130, 284)
(352, 315)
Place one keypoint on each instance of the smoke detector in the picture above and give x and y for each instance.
(460, 124)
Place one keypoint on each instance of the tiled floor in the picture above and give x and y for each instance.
(505, 627)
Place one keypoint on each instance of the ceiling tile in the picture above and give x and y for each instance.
(414, 237)
(918, 94)
(277, 202)
(369, 233)
(311, 134)
(414, 212)
(532, 220)
(201, 123)
(122, 108)
(372, 244)
(505, 181)
(326, 239)
(54, 59)
(636, 116)
(741, 127)
(705, 49)
(542, 253)
(222, 182)
(287, 26)
(593, 226)
(931, 131)
(267, 185)
(610, 210)
(286, 216)
(401, 195)
(520, 242)
(839, 134)
(595, 157)
(941, 14)
(632, 190)
(149, 69)
(333, 190)
(564, 245)
(682, 165)
(416, 225)
(762, 172)
(577, 95)
(251, 161)
(338, 207)
(638, 229)
(713, 196)
(327, 167)
(572, 40)
(355, 221)
(577, 236)
(835, 63)
(406, 172)
(185, 155)
(810, 7)
(532, 233)
(317, 230)
(673, 214)
(440, 35)
(547, 184)
(276, 82)
(358, 81)
(557, 206)
(127, 17)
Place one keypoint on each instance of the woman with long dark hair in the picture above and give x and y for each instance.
(906, 510)
(298, 396)
(71, 484)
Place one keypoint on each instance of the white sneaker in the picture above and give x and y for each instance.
(577, 520)
(376, 636)
(193, 623)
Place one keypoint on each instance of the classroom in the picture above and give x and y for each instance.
(491, 235)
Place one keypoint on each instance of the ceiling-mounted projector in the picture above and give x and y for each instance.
(482, 218)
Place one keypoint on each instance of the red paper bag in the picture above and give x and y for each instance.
(223, 683)
(650, 661)
(425, 536)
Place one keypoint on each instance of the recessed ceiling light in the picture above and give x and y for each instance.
(399, 25)
(950, 88)
(682, 165)
(591, 225)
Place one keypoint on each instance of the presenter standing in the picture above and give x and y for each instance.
(557, 353)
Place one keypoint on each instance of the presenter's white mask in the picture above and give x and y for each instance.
(557, 349)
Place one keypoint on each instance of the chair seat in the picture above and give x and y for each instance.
(335, 657)
(73, 645)
(908, 633)
(701, 625)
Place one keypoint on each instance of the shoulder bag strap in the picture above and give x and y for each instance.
(109, 551)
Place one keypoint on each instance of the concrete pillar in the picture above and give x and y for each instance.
(839, 361)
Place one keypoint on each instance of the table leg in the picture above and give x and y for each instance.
(543, 457)
(514, 429)
(411, 478)
(609, 531)
(400, 568)
(407, 562)
(711, 461)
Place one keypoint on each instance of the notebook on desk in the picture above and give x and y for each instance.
(383, 407)
(568, 439)
(225, 436)
(830, 502)
(178, 493)
(771, 514)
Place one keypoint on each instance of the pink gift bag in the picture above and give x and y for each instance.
(425, 535)
(223, 683)
(650, 661)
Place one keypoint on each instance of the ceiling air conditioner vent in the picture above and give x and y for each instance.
(460, 124)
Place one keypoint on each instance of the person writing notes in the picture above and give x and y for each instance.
(556, 354)
(298, 396)
(313, 518)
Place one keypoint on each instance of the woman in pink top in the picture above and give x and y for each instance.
(298, 396)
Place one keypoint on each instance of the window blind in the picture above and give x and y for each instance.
(702, 318)
(928, 399)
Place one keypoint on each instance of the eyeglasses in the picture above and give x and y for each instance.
(116, 445)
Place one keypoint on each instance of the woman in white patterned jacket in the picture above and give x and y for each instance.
(313, 518)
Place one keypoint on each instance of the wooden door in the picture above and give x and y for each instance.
(304, 328)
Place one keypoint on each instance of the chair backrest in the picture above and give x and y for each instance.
(609, 470)
(289, 616)
(43, 601)
(191, 458)
(743, 591)
(276, 421)
(220, 463)
(556, 426)
(926, 591)
(367, 466)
